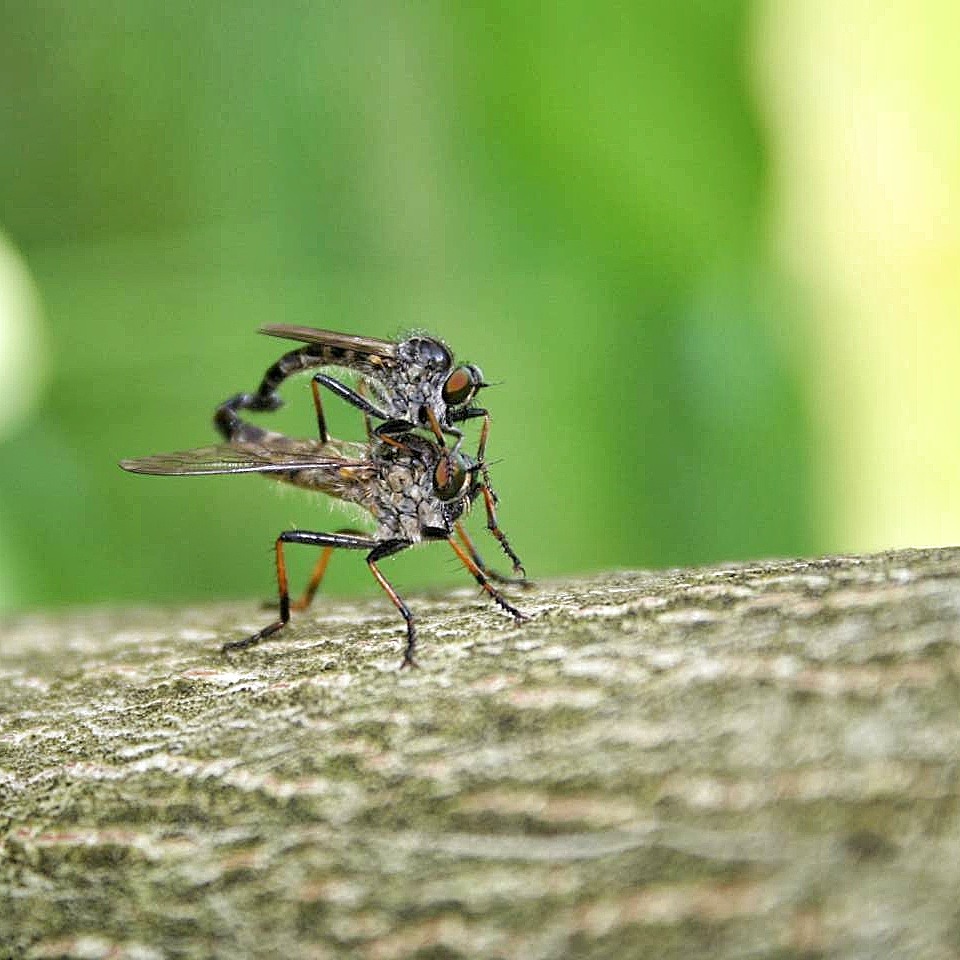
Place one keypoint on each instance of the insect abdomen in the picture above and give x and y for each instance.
(316, 355)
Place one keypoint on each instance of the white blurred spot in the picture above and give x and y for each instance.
(23, 361)
(23, 373)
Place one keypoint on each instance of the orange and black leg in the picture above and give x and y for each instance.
(344, 393)
(388, 548)
(471, 413)
(319, 569)
(481, 455)
(481, 578)
(434, 424)
(468, 543)
(367, 422)
(494, 527)
(318, 407)
(491, 500)
(329, 541)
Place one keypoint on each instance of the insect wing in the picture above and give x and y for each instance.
(370, 346)
(223, 458)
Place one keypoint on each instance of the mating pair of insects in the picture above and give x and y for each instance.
(414, 486)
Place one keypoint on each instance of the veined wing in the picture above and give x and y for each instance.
(369, 346)
(250, 458)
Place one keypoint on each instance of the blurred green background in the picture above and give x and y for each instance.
(669, 231)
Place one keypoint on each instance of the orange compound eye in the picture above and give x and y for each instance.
(462, 385)
(450, 476)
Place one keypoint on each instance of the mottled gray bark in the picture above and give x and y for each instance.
(752, 760)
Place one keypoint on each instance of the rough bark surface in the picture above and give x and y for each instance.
(747, 760)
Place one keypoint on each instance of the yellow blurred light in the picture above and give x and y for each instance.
(862, 102)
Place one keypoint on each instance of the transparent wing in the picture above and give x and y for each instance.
(246, 458)
(329, 338)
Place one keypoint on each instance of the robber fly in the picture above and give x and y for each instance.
(413, 382)
(414, 488)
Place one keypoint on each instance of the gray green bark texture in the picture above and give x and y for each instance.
(744, 761)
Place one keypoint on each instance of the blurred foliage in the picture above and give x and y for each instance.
(569, 197)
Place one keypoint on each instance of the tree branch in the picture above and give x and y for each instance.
(744, 760)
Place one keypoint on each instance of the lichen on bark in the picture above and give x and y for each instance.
(752, 759)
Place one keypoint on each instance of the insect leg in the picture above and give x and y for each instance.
(434, 425)
(327, 540)
(344, 393)
(492, 525)
(391, 429)
(318, 406)
(490, 498)
(484, 433)
(320, 568)
(481, 452)
(386, 549)
(481, 578)
(466, 413)
(470, 413)
(478, 560)
(367, 422)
